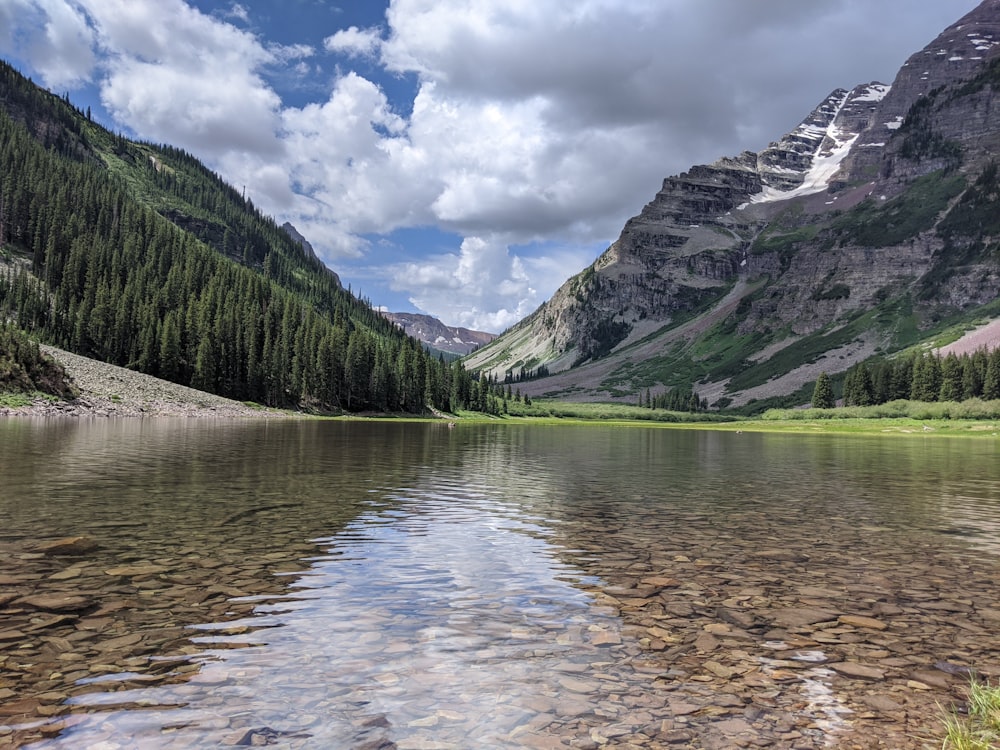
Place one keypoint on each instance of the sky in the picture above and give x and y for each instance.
(460, 158)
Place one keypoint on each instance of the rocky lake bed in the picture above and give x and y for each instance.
(202, 583)
(733, 646)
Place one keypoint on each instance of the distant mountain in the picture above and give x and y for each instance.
(438, 336)
(871, 227)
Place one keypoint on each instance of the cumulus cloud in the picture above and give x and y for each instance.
(355, 42)
(483, 286)
(54, 35)
(546, 123)
(176, 75)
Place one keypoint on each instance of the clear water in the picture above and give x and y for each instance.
(377, 585)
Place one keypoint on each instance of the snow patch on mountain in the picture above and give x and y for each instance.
(816, 180)
(831, 143)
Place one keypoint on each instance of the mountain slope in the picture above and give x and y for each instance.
(868, 227)
(137, 255)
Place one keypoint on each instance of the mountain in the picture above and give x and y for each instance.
(872, 226)
(438, 336)
(136, 254)
(303, 243)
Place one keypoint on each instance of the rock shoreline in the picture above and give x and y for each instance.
(110, 391)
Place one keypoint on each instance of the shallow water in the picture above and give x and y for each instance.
(377, 585)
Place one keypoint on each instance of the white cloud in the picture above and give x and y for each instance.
(291, 52)
(54, 35)
(178, 76)
(239, 12)
(483, 287)
(354, 42)
(488, 285)
(533, 122)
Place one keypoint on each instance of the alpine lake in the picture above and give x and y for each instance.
(374, 585)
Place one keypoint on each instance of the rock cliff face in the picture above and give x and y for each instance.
(870, 218)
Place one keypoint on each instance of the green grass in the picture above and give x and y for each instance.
(980, 729)
(804, 421)
(10, 400)
(15, 400)
(602, 412)
(784, 242)
(973, 408)
(875, 224)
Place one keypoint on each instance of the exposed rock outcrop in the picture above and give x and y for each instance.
(864, 208)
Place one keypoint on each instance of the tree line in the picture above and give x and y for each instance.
(676, 399)
(925, 376)
(234, 308)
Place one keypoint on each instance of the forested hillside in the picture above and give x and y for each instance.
(138, 255)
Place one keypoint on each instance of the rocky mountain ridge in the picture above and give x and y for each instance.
(438, 336)
(307, 249)
(862, 228)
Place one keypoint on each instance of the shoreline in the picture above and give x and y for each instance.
(110, 391)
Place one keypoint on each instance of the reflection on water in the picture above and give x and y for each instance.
(331, 585)
(427, 615)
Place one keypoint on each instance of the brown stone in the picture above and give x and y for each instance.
(15, 708)
(676, 737)
(735, 617)
(70, 545)
(123, 641)
(719, 670)
(52, 622)
(781, 555)
(683, 708)
(933, 678)
(731, 727)
(661, 582)
(817, 592)
(136, 570)
(797, 617)
(706, 642)
(862, 622)
(605, 638)
(989, 614)
(578, 686)
(881, 703)
(859, 671)
(66, 575)
(56, 602)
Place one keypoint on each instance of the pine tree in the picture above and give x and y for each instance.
(926, 384)
(823, 397)
(991, 383)
(951, 379)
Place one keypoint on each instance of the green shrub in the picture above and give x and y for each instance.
(25, 369)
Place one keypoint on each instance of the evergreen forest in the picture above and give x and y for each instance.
(137, 255)
(926, 376)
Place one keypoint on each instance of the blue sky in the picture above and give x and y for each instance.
(461, 158)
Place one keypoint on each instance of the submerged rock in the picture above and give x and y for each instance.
(70, 546)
